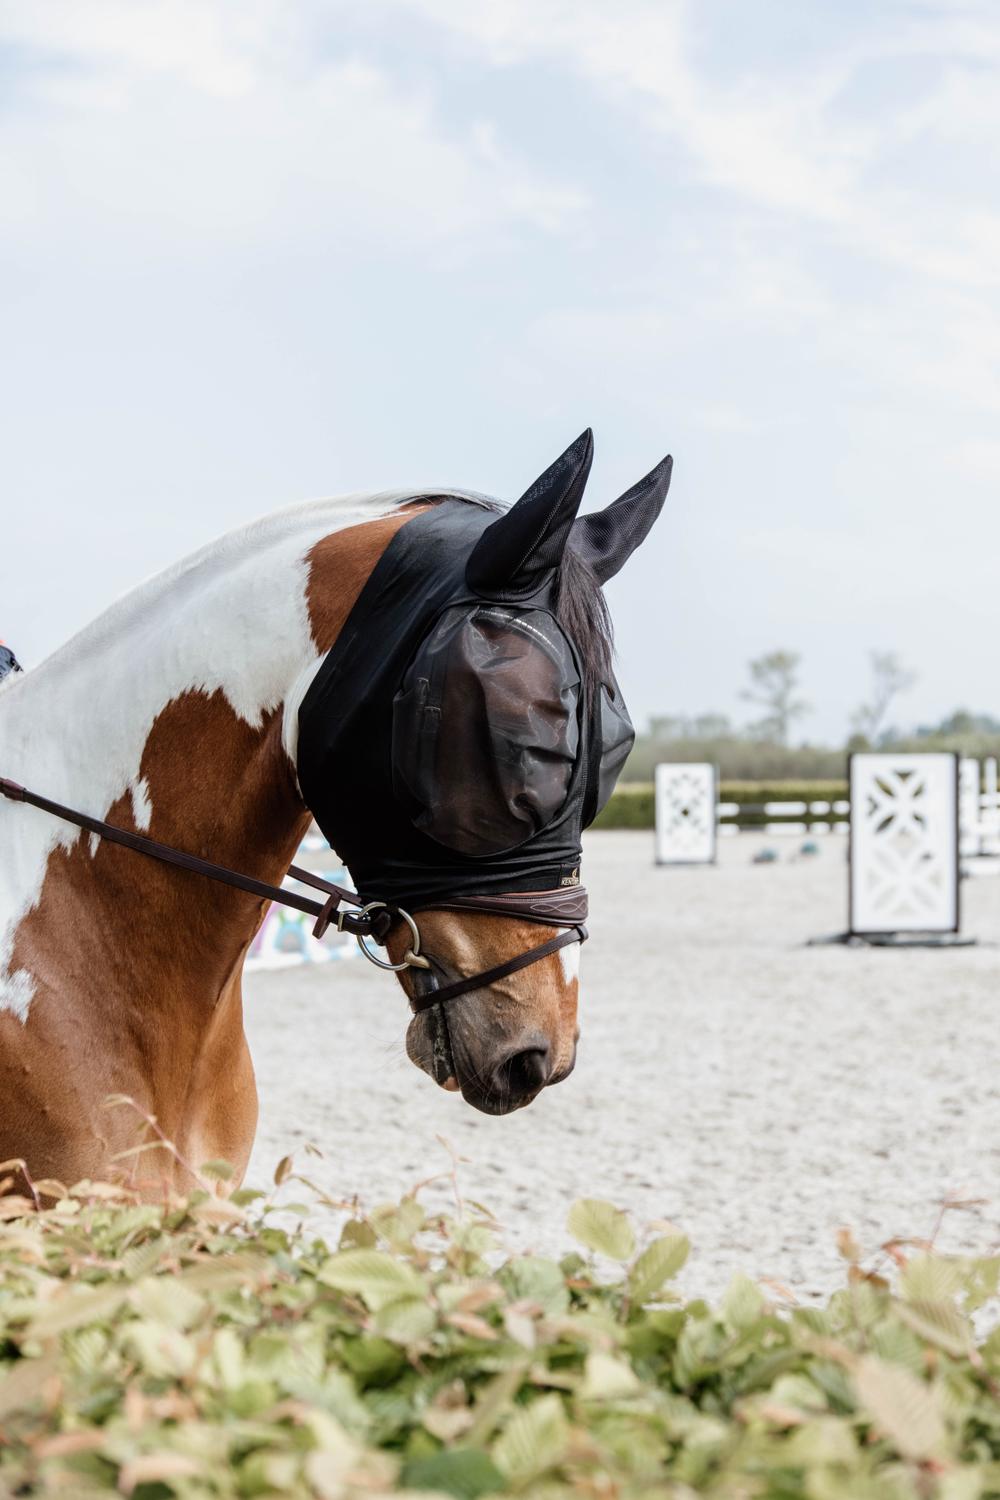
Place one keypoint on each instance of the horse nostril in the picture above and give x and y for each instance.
(526, 1072)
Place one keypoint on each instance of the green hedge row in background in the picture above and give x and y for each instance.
(632, 804)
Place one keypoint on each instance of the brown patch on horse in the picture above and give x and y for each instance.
(340, 565)
(136, 964)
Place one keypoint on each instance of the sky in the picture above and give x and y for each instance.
(255, 251)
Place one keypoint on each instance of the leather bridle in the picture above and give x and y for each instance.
(565, 907)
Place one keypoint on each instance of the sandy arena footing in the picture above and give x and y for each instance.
(757, 1093)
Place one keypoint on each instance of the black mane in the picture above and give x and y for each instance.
(582, 611)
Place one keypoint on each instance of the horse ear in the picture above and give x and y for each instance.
(530, 538)
(607, 538)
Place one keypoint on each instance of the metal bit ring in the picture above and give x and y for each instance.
(411, 958)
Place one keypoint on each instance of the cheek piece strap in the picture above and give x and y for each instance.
(424, 1000)
(564, 907)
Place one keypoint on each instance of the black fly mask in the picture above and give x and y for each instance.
(456, 739)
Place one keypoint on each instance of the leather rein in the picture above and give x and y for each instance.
(565, 907)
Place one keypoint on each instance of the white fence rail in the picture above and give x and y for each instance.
(810, 817)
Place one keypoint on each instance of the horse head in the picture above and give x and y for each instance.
(462, 730)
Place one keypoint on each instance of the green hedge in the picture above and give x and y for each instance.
(202, 1349)
(632, 804)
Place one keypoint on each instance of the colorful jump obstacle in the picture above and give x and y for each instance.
(285, 938)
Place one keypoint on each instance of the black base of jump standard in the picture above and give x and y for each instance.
(895, 940)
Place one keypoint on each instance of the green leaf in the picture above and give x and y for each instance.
(657, 1264)
(77, 1306)
(409, 1320)
(242, 1197)
(893, 1341)
(931, 1278)
(167, 1300)
(358, 1235)
(938, 1323)
(534, 1440)
(531, 1278)
(162, 1351)
(608, 1379)
(86, 1349)
(229, 1359)
(903, 1407)
(601, 1227)
(218, 1171)
(373, 1275)
(743, 1303)
(399, 1222)
(465, 1472)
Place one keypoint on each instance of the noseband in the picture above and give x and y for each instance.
(566, 908)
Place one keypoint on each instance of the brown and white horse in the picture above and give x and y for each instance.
(175, 714)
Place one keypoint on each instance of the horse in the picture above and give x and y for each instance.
(176, 716)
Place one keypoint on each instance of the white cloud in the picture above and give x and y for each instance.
(177, 125)
(791, 153)
(780, 136)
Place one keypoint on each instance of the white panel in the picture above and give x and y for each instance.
(685, 814)
(904, 843)
(968, 806)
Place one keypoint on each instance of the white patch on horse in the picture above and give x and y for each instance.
(16, 994)
(290, 714)
(569, 958)
(232, 618)
(142, 807)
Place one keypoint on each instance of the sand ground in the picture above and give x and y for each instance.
(756, 1092)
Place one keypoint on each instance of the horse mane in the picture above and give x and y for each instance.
(582, 611)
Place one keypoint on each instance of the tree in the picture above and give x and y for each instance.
(704, 726)
(666, 727)
(889, 679)
(773, 681)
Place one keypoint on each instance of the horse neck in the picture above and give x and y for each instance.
(168, 716)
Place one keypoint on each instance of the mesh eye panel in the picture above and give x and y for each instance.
(486, 728)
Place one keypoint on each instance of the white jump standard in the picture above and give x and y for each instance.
(904, 851)
(686, 796)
